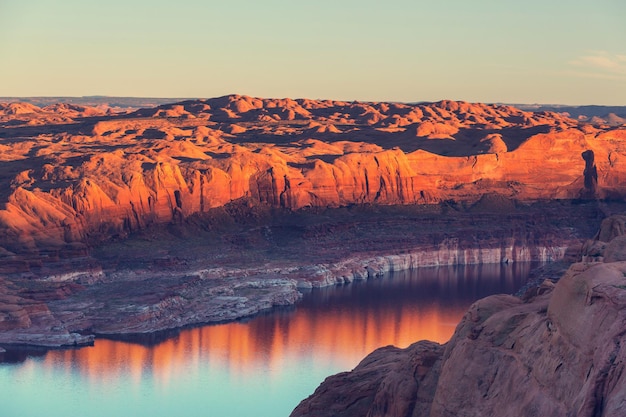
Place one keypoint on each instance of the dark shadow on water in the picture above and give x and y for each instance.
(445, 284)
(158, 337)
(16, 354)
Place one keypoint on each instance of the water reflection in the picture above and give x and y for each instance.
(280, 357)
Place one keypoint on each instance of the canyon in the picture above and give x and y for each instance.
(124, 223)
(556, 350)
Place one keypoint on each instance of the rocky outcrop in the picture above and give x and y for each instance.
(25, 318)
(73, 176)
(559, 352)
(388, 382)
(178, 302)
(72, 310)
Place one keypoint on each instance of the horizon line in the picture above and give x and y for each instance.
(417, 102)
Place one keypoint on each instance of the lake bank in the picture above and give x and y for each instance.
(164, 279)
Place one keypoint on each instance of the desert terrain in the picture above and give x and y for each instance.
(118, 222)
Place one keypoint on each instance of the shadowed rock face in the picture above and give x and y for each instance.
(71, 174)
(559, 352)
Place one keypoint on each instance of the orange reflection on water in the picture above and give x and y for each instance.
(265, 341)
(341, 331)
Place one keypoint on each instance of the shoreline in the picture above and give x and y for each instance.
(560, 340)
(175, 276)
(282, 293)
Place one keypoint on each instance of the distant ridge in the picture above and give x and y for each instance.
(121, 102)
(596, 114)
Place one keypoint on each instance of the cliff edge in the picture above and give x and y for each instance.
(558, 350)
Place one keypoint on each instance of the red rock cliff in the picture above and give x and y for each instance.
(72, 175)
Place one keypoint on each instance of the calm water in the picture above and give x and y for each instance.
(262, 367)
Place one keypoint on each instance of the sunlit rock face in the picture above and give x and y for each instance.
(74, 174)
(556, 351)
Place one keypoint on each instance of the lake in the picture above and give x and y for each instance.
(260, 367)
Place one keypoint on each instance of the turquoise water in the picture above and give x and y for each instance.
(261, 367)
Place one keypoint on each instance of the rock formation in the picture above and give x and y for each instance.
(162, 208)
(557, 351)
(74, 175)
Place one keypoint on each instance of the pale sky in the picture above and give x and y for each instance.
(534, 51)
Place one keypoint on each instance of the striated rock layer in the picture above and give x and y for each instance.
(74, 175)
(557, 351)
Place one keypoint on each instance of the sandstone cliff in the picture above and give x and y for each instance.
(72, 175)
(558, 351)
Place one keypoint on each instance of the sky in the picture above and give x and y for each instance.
(534, 51)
